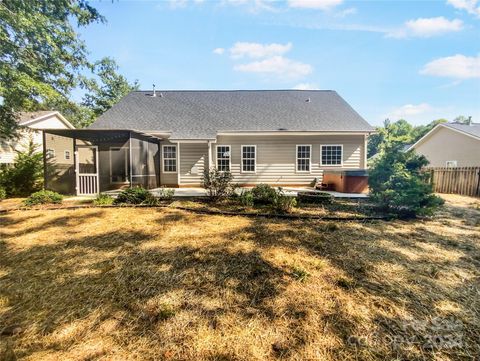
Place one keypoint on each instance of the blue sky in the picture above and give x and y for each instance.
(418, 60)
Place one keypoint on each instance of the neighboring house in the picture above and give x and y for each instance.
(451, 145)
(31, 124)
(282, 137)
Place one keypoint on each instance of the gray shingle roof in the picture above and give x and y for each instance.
(472, 129)
(201, 114)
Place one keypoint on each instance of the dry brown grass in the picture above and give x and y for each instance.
(130, 284)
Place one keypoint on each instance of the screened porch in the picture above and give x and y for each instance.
(88, 161)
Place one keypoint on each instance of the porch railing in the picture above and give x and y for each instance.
(88, 184)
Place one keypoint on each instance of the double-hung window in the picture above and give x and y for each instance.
(304, 157)
(223, 158)
(169, 158)
(249, 158)
(331, 155)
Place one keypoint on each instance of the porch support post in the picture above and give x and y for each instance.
(45, 178)
(130, 156)
(178, 164)
(365, 150)
(209, 154)
(75, 168)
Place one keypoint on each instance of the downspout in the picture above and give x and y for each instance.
(45, 178)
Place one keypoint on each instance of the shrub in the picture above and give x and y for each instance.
(218, 184)
(166, 193)
(26, 174)
(315, 197)
(246, 198)
(264, 194)
(136, 195)
(398, 185)
(283, 203)
(3, 193)
(103, 200)
(43, 197)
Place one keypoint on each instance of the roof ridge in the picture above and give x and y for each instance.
(235, 90)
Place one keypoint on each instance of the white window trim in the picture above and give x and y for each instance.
(241, 158)
(50, 152)
(451, 161)
(331, 165)
(69, 155)
(296, 159)
(163, 158)
(126, 165)
(229, 158)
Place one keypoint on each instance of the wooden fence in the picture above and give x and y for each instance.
(456, 180)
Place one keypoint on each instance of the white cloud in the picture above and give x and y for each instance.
(256, 50)
(408, 111)
(426, 27)
(314, 4)
(456, 66)
(345, 12)
(471, 6)
(178, 3)
(276, 65)
(218, 51)
(306, 86)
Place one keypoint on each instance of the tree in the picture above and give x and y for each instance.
(397, 183)
(41, 55)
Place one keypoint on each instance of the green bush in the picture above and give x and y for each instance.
(264, 194)
(103, 199)
(398, 185)
(283, 203)
(43, 197)
(136, 195)
(26, 174)
(3, 193)
(246, 198)
(314, 198)
(166, 193)
(218, 184)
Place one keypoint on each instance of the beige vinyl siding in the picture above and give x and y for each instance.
(193, 159)
(276, 156)
(445, 144)
(167, 178)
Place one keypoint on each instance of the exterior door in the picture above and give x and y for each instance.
(86, 168)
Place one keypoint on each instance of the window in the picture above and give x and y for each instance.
(451, 163)
(50, 153)
(331, 154)
(249, 158)
(67, 155)
(169, 158)
(303, 158)
(118, 165)
(223, 158)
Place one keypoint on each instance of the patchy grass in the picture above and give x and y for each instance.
(161, 284)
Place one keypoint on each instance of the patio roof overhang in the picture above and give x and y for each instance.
(99, 134)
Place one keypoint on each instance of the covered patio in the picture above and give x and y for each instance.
(87, 162)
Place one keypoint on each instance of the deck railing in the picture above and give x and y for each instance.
(88, 184)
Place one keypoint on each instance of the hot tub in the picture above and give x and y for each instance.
(346, 181)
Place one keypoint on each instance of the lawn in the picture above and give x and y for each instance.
(168, 284)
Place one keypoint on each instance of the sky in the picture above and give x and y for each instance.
(416, 60)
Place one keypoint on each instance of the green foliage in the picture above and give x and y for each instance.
(398, 185)
(300, 274)
(246, 198)
(315, 197)
(218, 184)
(399, 132)
(283, 203)
(26, 174)
(43, 197)
(41, 54)
(136, 195)
(166, 193)
(264, 194)
(3, 193)
(103, 199)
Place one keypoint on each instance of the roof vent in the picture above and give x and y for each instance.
(154, 94)
(308, 100)
(282, 129)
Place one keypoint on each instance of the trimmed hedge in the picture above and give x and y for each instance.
(43, 197)
(136, 195)
(315, 197)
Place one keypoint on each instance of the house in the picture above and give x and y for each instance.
(31, 124)
(168, 138)
(451, 145)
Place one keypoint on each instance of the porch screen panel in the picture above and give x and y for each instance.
(59, 170)
(145, 161)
